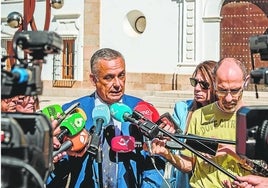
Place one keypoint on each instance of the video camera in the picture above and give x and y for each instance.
(259, 44)
(25, 76)
(252, 137)
(26, 147)
(26, 138)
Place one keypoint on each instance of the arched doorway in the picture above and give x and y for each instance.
(241, 20)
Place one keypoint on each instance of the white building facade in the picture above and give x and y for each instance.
(160, 39)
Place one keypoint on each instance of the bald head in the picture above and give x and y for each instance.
(230, 67)
(230, 76)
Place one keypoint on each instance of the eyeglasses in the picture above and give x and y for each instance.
(233, 92)
(203, 84)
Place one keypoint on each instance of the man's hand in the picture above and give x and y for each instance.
(158, 147)
(56, 142)
(249, 181)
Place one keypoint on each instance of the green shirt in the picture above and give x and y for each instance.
(211, 122)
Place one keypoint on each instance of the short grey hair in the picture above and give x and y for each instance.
(106, 54)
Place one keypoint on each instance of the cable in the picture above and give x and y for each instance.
(152, 159)
(148, 142)
(14, 162)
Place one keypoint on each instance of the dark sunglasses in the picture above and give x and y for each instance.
(203, 84)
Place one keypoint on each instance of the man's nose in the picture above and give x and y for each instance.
(116, 81)
(228, 97)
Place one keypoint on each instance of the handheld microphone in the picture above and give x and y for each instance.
(123, 144)
(72, 125)
(55, 110)
(147, 110)
(75, 143)
(101, 117)
(122, 113)
(150, 113)
(52, 111)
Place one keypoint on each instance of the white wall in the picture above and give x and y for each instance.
(155, 50)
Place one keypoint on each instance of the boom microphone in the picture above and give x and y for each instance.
(101, 117)
(75, 143)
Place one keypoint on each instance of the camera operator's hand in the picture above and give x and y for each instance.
(249, 181)
(56, 142)
(8, 105)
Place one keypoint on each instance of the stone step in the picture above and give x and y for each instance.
(164, 101)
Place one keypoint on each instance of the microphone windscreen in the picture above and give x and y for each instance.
(147, 110)
(74, 123)
(119, 110)
(101, 112)
(123, 144)
(79, 141)
(82, 112)
(21, 74)
(52, 110)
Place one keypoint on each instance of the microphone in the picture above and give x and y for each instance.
(150, 113)
(101, 117)
(75, 143)
(124, 144)
(123, 113)
(21, 75)
(55, 110)
(52, 111)
(72, 124)
(147, 110)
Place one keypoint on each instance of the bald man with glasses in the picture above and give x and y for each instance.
(216, 120)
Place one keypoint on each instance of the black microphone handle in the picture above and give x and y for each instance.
(127, 117)
(62, 134)
(65, 146)
(194, 137)
(198, 154)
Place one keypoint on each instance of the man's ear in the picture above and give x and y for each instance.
(93, 79)
(247, 79)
